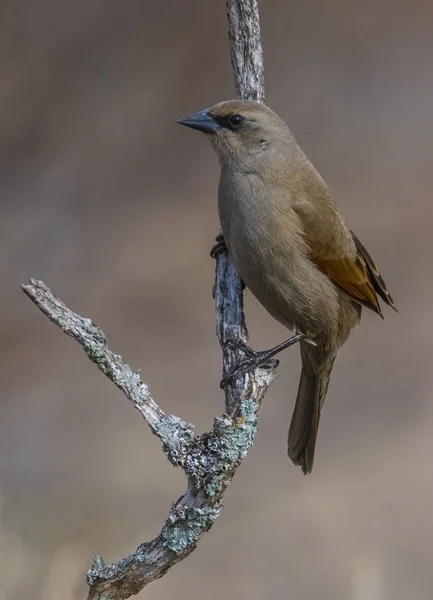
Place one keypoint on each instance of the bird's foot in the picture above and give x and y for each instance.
(254, 359)
(219, 248)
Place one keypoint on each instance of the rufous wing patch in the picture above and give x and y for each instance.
(352, 277)
(375, 276)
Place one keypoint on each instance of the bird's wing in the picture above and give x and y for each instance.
(336, 250)
(374, 274)
(357, 275)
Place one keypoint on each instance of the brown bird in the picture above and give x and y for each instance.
(291, 246)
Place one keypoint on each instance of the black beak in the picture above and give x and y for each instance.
(202, 121)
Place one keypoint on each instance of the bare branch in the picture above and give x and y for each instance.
(173, 432)
(209, 460)
(246, 49)
(92, 339)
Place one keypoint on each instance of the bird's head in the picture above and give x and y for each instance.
(240, 130)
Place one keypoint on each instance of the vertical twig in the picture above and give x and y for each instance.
(246, 49)
(247, 62)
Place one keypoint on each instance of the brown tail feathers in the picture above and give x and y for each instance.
(313, 385)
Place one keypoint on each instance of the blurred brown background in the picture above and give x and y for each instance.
(113, 205)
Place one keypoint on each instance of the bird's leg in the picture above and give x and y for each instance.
(219, 247)
(254, 358)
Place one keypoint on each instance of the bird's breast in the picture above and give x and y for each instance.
(267, 242)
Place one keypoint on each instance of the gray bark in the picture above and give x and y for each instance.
(246, 49)
(209, 460)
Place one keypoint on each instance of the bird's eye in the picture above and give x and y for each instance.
(236, 121)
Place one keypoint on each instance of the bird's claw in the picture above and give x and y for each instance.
(264, 359)
(236, 344)
(219, 248)
(252, 361)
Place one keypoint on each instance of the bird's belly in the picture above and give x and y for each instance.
(280, 307)
(289, 286)
(267, 281)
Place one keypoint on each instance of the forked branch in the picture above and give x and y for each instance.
(209, 460)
